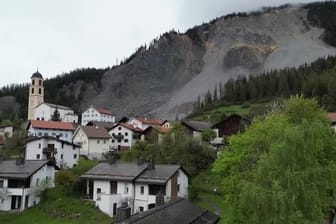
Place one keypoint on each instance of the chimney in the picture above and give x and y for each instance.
(141, 161)
(123, 212)
(159, 199)
(19, 161)
(151, 164)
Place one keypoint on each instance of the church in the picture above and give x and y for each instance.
(40, 110)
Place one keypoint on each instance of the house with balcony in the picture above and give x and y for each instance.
(65, 154)
(63, 130)
(97, 114)
(22, 181)
(110, 185)
(124, 136)
(94, 141)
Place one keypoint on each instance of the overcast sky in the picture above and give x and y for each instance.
(59, 36)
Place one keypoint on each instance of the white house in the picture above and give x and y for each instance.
(97, 114)
(123, 136)
(94, 141)
(65, 153)
(144, 122)
(21, 182)
(137, 184)
(63, 130)
(6, 131)
(44, 111)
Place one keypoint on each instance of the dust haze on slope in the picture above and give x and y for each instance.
(296, 43)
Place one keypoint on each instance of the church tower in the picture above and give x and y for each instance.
(36, 94)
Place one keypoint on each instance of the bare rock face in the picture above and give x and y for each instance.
(248, 56)
(165, 78)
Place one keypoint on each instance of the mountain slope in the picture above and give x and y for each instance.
(168, 76)
(165, 78)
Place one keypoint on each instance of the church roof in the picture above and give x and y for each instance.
(37, 75)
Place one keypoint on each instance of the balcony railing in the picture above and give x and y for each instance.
(49, 150)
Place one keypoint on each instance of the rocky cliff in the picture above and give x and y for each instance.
(166, 77)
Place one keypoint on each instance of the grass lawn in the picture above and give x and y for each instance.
(219, 113)
(60, 208)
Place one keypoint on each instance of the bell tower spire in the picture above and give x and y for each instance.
(36, 94)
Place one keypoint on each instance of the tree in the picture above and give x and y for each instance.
(282, 169)
(56, 116)
(208, 135)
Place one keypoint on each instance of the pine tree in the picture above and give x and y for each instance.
(56, 116)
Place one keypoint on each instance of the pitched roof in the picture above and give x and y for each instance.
(160, 175)
(2, 140)
(128, 126)
(179, 211)
(149, 121)
(95, 132)
(52, 125)
(102, 124)
(58, 106)
(332, 117)
(132, 171)
(104, 111)
(115, 171)
(196, 125)
(9, 169)
(36, 138)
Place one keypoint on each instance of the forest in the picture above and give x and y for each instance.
(316, 80)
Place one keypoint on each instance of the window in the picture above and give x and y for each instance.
(126, 189)
(98, 194)
(61, 156)
(45, 134)
(114, 187)
(75, 156)
(141, 209)
(154, 189)
(32, 90)
(178, 188)
(112, 140)
(104, 141)
(37, 156)
(40, 82)
(33, 82)
(119, 128)
(2, 183)
(40, 143)
(126, 140)
(40, 90)
(39, 134)
(142, 190)
(37, 181)
(126, 133)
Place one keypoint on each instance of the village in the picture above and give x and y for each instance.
(57, 138)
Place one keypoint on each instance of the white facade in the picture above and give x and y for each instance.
(121, 136)
(39, 132)
(45, 111)
(7, 131)
(18, 197)
(137, 195)
(69, 117)
(65, 153)
(137, 124)
(91, 147)
(94, 114)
